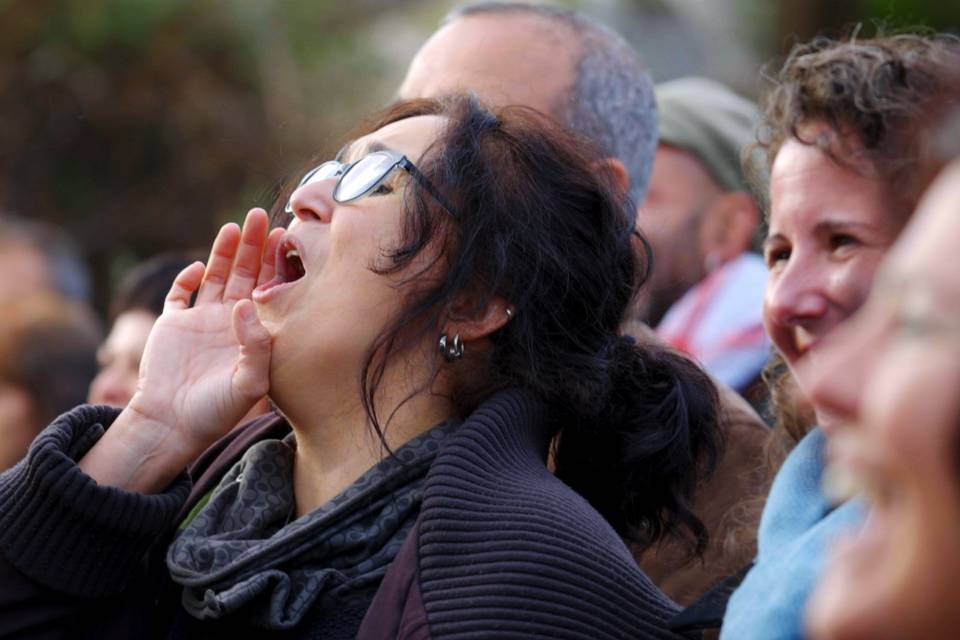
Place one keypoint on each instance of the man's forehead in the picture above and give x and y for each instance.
(508, 58)
(409, 136)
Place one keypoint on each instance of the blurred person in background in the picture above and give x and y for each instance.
(588, 78)
(706, 292)
(840, 137)
(893, 375)
(36, 256)
(47, 360)
(135, 306)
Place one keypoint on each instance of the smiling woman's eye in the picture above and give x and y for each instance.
(775, 255)
(383, 189)
(840, 240)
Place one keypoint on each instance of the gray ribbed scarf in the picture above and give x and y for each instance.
(240, 553)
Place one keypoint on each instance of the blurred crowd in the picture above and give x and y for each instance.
(731, 327)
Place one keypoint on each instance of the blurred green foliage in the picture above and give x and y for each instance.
(142, 125)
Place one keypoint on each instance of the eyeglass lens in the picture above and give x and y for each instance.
(363, 175)
(360, 178)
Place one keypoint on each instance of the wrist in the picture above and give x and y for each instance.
(139, 454)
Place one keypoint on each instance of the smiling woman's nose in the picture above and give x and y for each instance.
(794, 298)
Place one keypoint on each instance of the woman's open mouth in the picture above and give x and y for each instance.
(289, 269)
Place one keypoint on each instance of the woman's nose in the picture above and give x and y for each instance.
(314, 201)
(796, 296)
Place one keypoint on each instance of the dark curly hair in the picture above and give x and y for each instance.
(878, 98)
(636, 426)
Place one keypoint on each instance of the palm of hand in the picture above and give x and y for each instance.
(190, 363)
(205, 366)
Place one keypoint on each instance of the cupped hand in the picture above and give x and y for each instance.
(204, 366)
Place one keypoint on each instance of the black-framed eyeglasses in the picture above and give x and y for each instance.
(361, 177)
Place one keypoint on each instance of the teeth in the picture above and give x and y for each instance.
(803, 339)
(292, 253)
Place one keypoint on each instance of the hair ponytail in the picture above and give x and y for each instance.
(636, 453)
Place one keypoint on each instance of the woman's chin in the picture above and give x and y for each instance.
(270, 321)
(830, 423)
(850, 593)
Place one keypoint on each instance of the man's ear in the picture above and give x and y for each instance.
(476, 324)
(728, 226)
(617, 174)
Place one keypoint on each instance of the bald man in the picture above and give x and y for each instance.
(589, 78)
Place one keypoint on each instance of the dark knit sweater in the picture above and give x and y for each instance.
(502, 548)
(506, 550)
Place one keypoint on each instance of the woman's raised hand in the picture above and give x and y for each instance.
(203, 366)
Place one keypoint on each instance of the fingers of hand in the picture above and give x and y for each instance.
(249, 256)
(219, 264)
(268, 270)
(253, 371)
(183, 287)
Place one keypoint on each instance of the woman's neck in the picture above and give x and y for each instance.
(337, 444)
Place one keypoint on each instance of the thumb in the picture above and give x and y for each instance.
(253, 370)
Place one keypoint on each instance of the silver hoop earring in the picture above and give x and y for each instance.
(451, 350)
(509, 314)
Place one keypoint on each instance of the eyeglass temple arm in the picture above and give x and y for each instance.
(424, 182)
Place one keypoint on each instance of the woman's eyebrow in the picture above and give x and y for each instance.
(370, 147)
(838, 225)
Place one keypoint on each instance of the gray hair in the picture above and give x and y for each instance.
(71, 278)
(612, 101)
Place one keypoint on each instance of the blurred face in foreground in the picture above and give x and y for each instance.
(893, 372)
(829, 229)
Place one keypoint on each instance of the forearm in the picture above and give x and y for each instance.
(65, 531)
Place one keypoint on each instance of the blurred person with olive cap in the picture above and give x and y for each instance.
(706, 291)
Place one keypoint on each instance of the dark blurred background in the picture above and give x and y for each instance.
(142, 125)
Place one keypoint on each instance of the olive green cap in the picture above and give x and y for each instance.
(705, 118)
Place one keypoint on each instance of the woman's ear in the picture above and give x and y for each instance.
(475, 324)
(728, 226)
(617, 174)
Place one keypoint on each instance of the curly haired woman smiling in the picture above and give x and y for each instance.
(444, 304)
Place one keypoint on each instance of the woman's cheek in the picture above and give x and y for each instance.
(852, 284)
